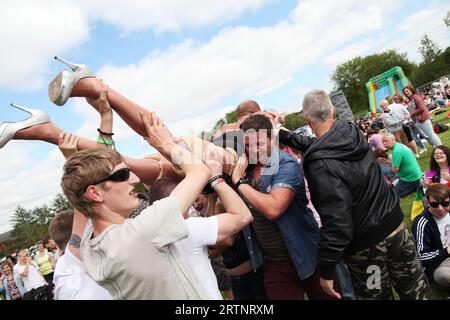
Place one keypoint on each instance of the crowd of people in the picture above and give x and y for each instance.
(257, 213)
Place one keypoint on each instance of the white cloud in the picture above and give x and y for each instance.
(361, 48)
(32, 32)
(190, 77)
(163, 15)
(32, 183)
(428, 21)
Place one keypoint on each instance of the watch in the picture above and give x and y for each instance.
(241, 181)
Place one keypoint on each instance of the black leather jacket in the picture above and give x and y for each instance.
(357, 208)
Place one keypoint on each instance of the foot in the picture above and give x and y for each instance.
(61, 87)
(422, 150)
(8, 130)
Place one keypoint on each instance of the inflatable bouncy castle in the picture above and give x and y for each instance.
(386, 84)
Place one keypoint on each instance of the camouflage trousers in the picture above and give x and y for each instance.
(392, 262)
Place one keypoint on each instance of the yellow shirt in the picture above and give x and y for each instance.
(45, 265)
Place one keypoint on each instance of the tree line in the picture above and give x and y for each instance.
(31, 225)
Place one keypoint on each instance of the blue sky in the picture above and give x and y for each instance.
(190, 61)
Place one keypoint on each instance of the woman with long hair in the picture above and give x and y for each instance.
(11, 282)
(439, 171)
(420, 113)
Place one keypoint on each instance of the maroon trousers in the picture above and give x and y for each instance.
(283, 283)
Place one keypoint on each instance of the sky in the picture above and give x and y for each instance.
(190, 61)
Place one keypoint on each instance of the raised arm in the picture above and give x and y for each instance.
(101, 104)
(68, 145)
(196, 172)
(237, 215)
(295, 140)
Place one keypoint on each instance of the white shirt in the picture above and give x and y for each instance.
(202, 233)
(137, 259)
(444, 229)
(72, 282)
(399, 110)
(33, 280)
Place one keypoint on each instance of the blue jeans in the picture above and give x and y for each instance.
(404, 188)
(415, 131)
(344, 281)
(432, 139)
(249, 286)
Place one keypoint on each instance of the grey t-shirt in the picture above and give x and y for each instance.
(137, 259)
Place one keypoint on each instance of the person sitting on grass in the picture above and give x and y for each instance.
(431, 230)
(405, 165)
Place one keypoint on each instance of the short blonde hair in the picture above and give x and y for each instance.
(81, 170)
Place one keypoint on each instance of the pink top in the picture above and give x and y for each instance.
(375, 142)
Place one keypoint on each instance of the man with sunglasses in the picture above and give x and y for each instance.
(429, 230)
(135, 258)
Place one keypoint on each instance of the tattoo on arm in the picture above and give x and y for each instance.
(75, 240)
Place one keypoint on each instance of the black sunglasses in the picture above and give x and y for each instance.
(118, 176)
(444, 204)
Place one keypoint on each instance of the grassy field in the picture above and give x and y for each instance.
(424, 162)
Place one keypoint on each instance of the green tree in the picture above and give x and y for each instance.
(60, 203)
(428, 49)
(429, 71)
(352, 75)
(294, 121)
(30, 226)
(230, 117)
(447, 19)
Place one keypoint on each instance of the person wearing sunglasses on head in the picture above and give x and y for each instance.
(135, 258)
(431, 232)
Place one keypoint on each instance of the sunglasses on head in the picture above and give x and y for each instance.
(118, 176)
(444, 204)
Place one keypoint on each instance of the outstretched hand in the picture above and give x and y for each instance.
(67, 143)
(240, 170)
(159, 136)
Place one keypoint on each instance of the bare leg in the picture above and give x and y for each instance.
(130, 113)
(146, 169)
(412, 145)
(49, 132)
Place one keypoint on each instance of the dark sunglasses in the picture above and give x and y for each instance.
(444, 204)
(118, 176)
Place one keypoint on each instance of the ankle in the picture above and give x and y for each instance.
(88, 88)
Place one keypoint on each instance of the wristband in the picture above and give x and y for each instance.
(103, 141)
(215, 178)
(216, 182)
(240, 181)
(105, 133)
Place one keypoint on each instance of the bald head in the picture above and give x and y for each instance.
(246, 108)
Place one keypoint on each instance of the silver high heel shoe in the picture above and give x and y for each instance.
(60, 88)
(9, 129)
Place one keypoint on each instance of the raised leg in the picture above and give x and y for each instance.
(129, 111)
(49, 132)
